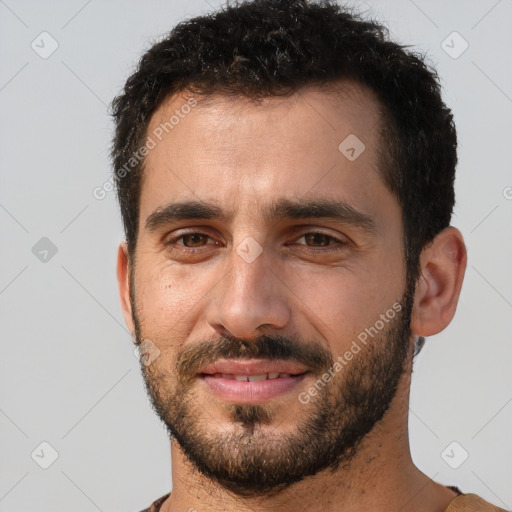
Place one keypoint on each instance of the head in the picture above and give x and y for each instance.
(246, 127)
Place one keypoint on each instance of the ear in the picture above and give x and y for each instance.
(442, 267)
(123, 282)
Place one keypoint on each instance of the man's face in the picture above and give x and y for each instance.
(249, 293)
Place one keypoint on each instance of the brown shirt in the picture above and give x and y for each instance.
(472, 503)
(462, 503)
(155, 506)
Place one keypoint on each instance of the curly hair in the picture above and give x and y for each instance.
(266, 48)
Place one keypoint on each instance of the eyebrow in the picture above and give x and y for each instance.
(279, 210)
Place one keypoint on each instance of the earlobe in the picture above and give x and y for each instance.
(123, 282)
(443, 264)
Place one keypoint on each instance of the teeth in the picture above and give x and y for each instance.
(252, 378)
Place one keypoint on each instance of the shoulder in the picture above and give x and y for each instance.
(472, 503)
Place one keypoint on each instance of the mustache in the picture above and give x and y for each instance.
(191, 360)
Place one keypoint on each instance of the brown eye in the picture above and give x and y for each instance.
(193, 239)
(317, 242)
(190, 243)
(318, 239)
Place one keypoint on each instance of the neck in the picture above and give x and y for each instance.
(381, 477)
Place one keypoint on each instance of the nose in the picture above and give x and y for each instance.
(251, 295)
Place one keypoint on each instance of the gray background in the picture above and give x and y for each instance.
(68, 376)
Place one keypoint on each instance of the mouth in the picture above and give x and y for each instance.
(252, 378)
(251, 381)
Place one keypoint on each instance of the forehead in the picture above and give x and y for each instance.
(232, 149)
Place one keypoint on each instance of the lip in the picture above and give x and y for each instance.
(252, 367)
(251, 392)
(239, 392)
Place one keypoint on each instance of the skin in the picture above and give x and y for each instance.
(242, 156)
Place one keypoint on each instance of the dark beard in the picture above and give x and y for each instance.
(252, 462)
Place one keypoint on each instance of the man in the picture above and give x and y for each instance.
(285, 175)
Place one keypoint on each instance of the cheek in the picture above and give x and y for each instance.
(168, 296)
(337, 303)
(342, 303)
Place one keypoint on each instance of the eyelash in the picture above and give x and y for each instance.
(186, 249)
